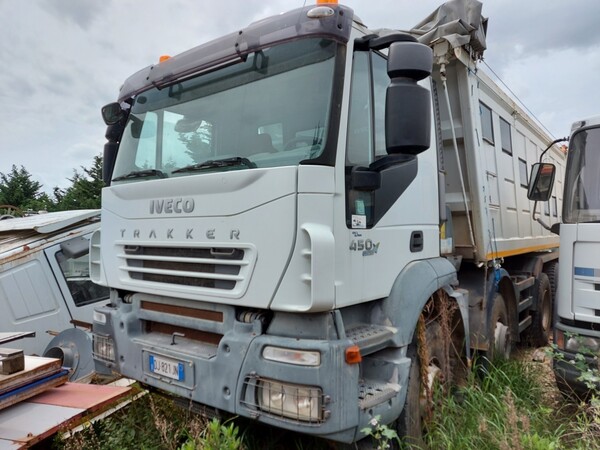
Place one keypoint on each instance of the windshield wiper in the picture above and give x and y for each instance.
(216, 163)
(141, 174)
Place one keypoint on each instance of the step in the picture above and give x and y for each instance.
(525, 304)
(370, 338)
(524, 323)
(524, 284)
(372, 393)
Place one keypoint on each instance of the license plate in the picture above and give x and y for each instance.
(167, 367)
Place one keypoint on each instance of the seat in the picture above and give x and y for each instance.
(262, 143)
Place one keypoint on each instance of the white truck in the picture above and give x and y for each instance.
(45, 285)
(302, 214)
(577, 320)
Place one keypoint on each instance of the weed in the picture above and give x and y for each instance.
(381, 435)
(216, 436)
(502, 409)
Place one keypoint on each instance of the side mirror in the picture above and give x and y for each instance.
(541, 182)
(408, 105)
(112, 113)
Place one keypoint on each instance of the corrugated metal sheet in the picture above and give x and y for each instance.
(24, 232)
(49, 222)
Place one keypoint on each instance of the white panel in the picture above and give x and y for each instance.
(27, 290)
(25, 420)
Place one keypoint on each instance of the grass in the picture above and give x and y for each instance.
(508, 405)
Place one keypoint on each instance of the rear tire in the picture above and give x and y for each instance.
(499, 336)
(538, 333)
(551, 269)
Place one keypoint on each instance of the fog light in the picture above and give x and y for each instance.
(583, 344)
(290, 400)
(103, 347)
(292, 356)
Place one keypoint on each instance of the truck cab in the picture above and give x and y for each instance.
(577, 320)
(285, 207)
(45, 285)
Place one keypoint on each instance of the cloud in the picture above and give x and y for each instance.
(64, 59)
(81, 12)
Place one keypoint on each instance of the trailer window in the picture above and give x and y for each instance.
(487, 128)
(523, 173)
(505, 136)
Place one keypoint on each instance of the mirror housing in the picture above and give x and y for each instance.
(108, 161)
(408, 105)
(363, 179)
(76, 247)
(541, 182)
(112, 113)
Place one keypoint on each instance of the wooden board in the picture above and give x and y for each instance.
(9, 337)
(38, 418)
(36, 368)
(76, 395)
(25, 424)
(29, 390)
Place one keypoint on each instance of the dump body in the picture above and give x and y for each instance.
(274, 227)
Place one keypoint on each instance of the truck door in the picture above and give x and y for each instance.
(69, 261)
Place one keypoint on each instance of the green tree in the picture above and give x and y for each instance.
(85, 190)
(17, 188)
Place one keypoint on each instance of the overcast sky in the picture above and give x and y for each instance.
(62, 60)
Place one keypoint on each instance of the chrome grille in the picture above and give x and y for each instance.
(204, 267)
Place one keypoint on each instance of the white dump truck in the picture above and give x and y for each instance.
(577, 320)
(303, 214)
(45, 285)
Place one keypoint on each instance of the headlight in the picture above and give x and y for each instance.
(104, 348)
(290, 400)
(292, 356)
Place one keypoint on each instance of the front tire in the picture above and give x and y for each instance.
(438, 362)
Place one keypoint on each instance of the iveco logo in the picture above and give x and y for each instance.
(172, 205)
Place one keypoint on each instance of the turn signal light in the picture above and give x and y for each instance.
(163, 58)
(324, 2)
(353, 355)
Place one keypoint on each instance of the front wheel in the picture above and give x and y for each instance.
(438, 362)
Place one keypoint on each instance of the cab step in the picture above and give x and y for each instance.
(372, 393)
(370, 338)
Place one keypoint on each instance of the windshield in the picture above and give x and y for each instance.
(582, 180)
(270, 110)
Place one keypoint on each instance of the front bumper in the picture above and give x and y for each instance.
(575, 364)
(233, 376)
